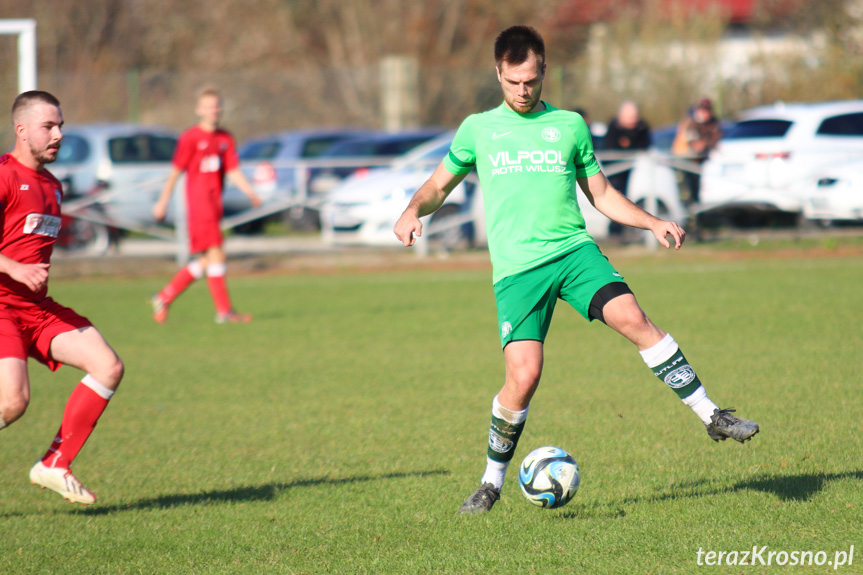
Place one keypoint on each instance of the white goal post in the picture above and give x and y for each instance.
(25, 29)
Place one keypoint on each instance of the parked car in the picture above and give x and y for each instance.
(127, 162)
(365, 207)
(270, 164)
(836, 195)
(765, 162)
(114, 157)
(376, 148)
(364, 210)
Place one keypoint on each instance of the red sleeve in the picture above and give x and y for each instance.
(5, 185)
(183, 153)
(232, 161)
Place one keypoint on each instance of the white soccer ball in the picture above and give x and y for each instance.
(549, 477)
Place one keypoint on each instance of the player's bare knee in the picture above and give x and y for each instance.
(525, 376)
(626, 319)
(116, 372)
(110, 372)
(13, 407)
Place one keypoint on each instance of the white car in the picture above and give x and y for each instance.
(365, 209)
(836, 195)
(766, 161)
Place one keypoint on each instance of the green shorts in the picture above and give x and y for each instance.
(525, 301)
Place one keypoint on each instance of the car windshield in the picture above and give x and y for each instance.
(431, 158)
(354, 148)
(141, 148)
(315, 147)
(394, 147)
(264, 150)
(758, 129)
(73, 150)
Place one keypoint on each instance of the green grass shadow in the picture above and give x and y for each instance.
(800, 487)
(266, 492)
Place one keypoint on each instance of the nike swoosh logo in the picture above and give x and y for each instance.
(496, 136)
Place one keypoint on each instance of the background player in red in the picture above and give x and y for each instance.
(207, 154)
(31, 323)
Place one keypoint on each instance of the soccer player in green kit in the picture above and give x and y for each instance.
(529, 156)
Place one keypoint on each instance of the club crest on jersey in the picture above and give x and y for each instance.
(551, 134)
(42, 225)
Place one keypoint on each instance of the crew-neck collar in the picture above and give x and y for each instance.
(528, 115)
(25, 166)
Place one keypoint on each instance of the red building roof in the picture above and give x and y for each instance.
(581, 12)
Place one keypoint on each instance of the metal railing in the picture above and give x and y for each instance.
(97, 208)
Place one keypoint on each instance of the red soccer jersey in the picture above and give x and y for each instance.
(205, 157)
(30, 210)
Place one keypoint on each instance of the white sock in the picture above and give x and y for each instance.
(701, 404)
(216, 270)
(660, 352)
(495, 473)
(2, 423)
(196, 269)
(97, 387)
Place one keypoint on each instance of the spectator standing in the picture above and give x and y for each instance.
(627, 132)
(697, 134)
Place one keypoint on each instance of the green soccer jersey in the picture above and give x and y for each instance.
(527, 165)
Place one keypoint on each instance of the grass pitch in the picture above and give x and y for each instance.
(340, 431)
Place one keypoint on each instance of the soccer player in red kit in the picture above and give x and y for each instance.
(31, 323)
(207, 154)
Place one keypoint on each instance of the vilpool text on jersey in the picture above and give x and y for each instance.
(527, 161)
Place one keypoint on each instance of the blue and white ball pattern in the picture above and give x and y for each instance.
(549, 477)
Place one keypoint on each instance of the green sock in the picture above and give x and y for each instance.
(677, 374)
(502, 439)
(670, 366)
(506, 427)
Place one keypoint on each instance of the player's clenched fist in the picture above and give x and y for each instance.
(34, 276)
(408, 229)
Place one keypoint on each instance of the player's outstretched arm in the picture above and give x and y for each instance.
(237, 178)
(425, 201)
(161, 207)
(619, 208)
(34, 276)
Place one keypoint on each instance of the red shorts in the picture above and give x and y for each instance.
(204, 235)
(28, 331)
(204, 217)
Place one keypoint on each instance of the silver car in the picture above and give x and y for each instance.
(123, 165)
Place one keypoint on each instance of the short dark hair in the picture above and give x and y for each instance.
(27, 99)
(515, 44)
